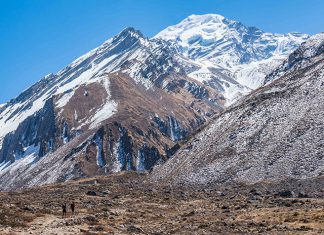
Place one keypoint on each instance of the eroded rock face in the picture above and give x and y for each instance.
(36, 133)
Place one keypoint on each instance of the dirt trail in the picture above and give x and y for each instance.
(49, 224)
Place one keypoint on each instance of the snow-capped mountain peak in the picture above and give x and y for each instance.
(246, 54)
(195, 29)
(227, 42)
(130, 31)
(85, 70)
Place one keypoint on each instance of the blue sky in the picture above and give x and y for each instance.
(42, 36)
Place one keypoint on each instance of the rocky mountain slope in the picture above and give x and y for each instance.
(120, 107)
(273, 134)
(123, 105)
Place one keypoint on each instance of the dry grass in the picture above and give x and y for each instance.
(126, 204)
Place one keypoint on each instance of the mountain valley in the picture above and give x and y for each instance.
(130, 103)
(208, 127)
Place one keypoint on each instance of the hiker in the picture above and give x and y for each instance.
(72, 207)
(64, 210)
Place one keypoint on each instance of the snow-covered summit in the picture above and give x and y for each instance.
(227, 42)
(247, 54)
(203, 25)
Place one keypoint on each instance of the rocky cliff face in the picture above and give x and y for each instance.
(37, 132)
(273, 134)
